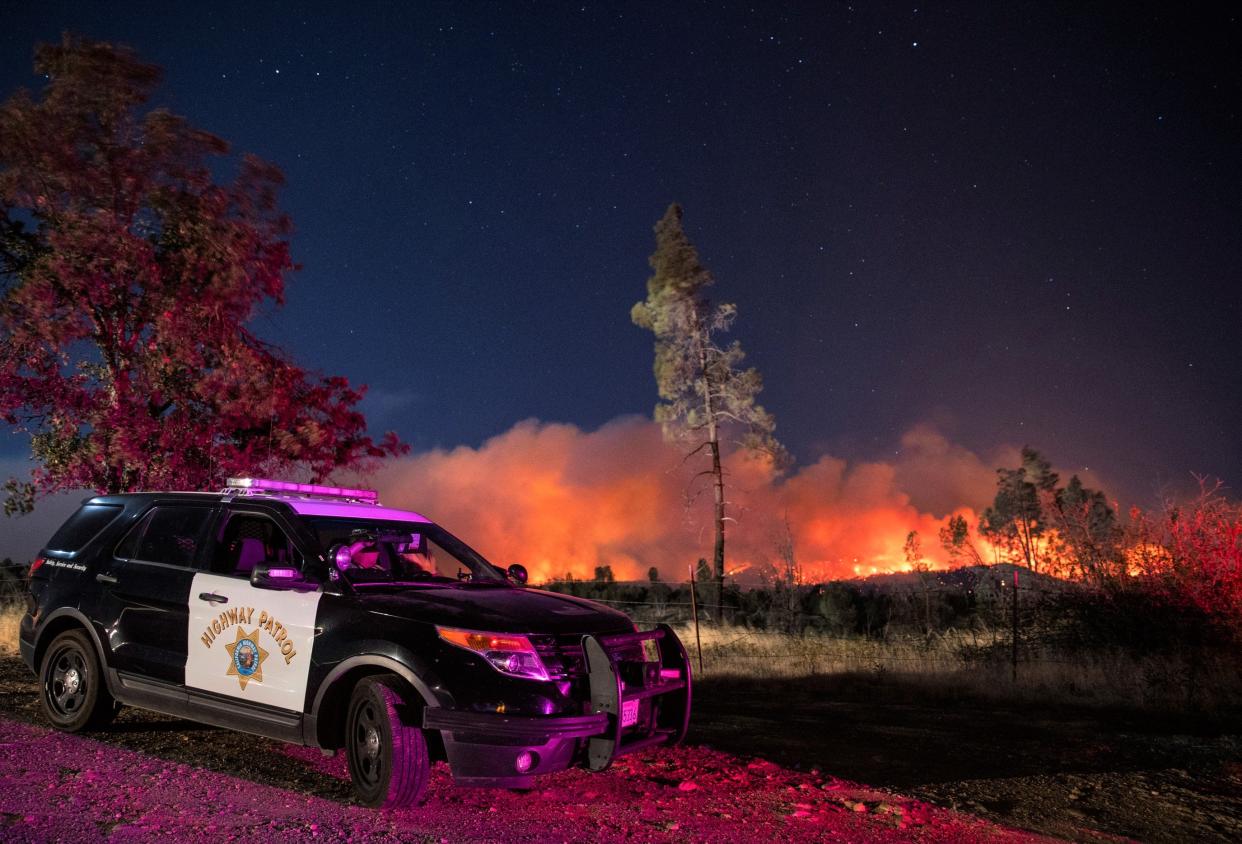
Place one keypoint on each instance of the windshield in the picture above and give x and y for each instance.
(384, 552)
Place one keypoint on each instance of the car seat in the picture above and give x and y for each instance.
(250, 553)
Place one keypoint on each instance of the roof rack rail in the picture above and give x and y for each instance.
(267, 486)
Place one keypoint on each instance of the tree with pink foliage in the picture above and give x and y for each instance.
(1192, 553)
(128, 275)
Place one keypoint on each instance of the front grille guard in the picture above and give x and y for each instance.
(616, 679)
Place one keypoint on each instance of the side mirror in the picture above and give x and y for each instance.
(268, 576)
(517, 573)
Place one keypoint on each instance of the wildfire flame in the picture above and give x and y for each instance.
(561, 500)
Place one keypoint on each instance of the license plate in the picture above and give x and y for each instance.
(629, 713)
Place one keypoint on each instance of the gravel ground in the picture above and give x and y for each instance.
(151, 777)
(767, 761)
(1073, 772)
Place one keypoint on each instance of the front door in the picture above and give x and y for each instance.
(244, 642)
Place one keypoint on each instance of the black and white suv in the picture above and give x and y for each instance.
(318, 616)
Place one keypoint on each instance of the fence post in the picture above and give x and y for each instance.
(1015, 624)
(694, 612)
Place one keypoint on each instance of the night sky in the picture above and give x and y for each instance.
(1017, 222)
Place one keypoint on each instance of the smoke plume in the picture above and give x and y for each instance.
(561, 500)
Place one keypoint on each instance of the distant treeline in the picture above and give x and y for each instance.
(1053, 615)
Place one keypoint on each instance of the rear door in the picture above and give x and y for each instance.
(146, 589)
(245, 642)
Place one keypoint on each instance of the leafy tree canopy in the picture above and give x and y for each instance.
(1037, 521)
(128, 275)
(702, 384)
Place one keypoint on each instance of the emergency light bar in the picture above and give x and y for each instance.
(367, 496)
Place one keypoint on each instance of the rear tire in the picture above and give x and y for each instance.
(386, 749)
(71, 685)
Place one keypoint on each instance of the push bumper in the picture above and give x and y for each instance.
(635, 703)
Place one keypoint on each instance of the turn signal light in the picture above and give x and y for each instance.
(506, 652)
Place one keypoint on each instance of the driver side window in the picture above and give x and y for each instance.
(246, 539)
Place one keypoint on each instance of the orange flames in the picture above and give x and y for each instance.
(562, 500)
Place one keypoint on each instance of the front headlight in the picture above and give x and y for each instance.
(508, 653)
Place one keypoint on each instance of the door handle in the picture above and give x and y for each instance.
(105, 578)
(212, 598)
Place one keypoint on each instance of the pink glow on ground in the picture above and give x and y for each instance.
(72, 788)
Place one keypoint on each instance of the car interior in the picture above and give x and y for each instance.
(246, 540)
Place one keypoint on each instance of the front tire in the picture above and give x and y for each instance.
(386, 750)
(71, 685)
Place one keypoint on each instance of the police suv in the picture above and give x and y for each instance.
(316, 615)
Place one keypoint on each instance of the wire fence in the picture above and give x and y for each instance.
(974, 624)
(12, 586)
(1005, 619)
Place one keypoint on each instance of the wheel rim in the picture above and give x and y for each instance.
(366, 744)
(67, 682)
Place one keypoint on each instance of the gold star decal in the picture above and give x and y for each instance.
(246, 657)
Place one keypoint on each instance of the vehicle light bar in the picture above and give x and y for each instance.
(368, 496)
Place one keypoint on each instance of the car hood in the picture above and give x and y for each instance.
(498, 609)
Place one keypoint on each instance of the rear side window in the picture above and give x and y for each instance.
(83, 526)
(169, 534)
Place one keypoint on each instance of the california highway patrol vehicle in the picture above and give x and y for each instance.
(317, 616)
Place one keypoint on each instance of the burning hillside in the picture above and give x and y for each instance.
(562, 500)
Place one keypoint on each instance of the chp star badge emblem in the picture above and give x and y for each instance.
(246, 658)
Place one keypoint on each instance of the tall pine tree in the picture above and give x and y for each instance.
(705, 394)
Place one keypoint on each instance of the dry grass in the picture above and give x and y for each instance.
(10, 618)
(941, 667)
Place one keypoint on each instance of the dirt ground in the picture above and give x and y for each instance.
(1076, 773)
(823, 760)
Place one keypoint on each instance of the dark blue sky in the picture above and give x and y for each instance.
(1018, 221)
